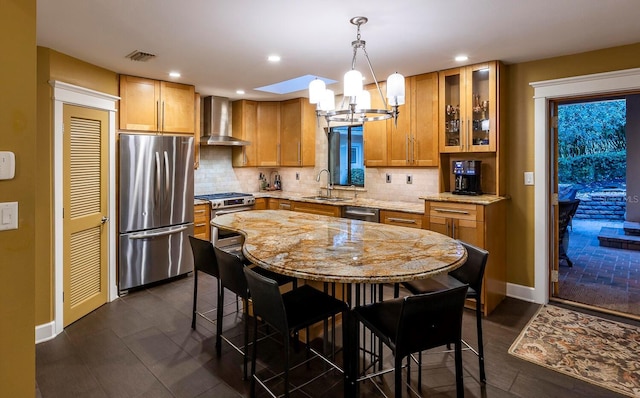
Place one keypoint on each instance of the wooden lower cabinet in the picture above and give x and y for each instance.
(201, 218)
(260, 204)
(483, 226)
(402, 219)
(316, 208)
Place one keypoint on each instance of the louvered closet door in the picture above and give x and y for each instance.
(85, 211)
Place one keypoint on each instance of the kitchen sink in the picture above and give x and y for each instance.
(327, 198)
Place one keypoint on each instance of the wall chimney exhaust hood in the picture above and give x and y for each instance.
(216, 125)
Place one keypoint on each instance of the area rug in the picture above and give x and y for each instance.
(589, 348)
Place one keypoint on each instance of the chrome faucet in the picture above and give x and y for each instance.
(328, 180)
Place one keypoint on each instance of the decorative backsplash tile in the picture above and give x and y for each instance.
(217, 175)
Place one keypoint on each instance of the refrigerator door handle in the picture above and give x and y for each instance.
(166, 175)
(156, 234)
(158, 178)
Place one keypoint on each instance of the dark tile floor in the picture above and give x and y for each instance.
(141, 345)
(601, 276)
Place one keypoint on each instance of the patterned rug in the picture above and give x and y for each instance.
(596, 350)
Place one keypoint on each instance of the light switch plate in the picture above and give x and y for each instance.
(528, 178)
(8, 216)
(7, 165)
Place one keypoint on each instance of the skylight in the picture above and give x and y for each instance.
(292, 85)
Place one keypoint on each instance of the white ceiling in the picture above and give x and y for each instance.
(221, 46)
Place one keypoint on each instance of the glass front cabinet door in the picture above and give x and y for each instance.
(468, 108)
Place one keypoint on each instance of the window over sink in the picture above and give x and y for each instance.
(346, 155)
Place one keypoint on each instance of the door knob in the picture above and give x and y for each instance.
(104, 219)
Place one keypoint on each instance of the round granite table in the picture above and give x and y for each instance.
(331, 249)
(339, 250)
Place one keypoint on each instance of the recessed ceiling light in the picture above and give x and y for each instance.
(274, 58)
(461, 58)
(174, 74)
(240, 92)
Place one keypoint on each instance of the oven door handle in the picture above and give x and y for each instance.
(222, 212)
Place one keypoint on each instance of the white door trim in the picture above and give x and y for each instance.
(64, 93)
(600, 83)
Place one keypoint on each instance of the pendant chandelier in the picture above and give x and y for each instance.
(358, 108)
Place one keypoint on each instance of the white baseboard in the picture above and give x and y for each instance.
(524, 293)
(45, 332)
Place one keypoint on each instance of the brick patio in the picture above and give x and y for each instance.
(601, 276)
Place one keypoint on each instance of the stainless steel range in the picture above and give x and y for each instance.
(224, 203)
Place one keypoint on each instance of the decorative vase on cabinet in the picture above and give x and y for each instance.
(468, 106)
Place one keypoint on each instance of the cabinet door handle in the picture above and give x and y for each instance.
(406, 148)
(201, 225)
(299, 155)
(447, 222)
(440, 210)
(453, 229)
(402, 220)
(278, 154)
(162, 115)
(200, 211)
(285, 206)
(469, 134)
(158, 115)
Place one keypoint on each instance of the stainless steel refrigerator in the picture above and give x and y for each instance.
(156, 208)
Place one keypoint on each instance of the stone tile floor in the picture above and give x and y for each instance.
(601, 276)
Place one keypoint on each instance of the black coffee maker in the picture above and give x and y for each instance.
(467, 177)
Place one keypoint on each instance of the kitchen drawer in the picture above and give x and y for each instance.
(459, 211)
(201, 219)
(401, 219)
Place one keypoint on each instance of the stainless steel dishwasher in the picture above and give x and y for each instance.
(361, 213)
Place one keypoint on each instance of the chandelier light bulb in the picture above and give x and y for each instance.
(352, 83)
(317, 88)
(395, 89)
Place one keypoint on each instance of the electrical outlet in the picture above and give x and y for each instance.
(409, 179)
(388, 178)
(297, 176)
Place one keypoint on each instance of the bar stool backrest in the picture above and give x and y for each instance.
(267, 300)
(472, 271)
(204, 257)
(430, 320)
(231, 273)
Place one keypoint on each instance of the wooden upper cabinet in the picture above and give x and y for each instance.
(424, 114)
(400, 135)
(177, 107)
(375, 133)
(297, 133)
(469, 108)
(244, 123)
(268, 134)
(152, 105)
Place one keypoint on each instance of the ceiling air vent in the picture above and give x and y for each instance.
(141, 56)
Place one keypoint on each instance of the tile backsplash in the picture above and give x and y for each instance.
(217, 175)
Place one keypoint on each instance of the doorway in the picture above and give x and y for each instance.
(68, 94)
(594, 265)
(545, 91)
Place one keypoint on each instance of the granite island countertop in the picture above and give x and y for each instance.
(331, 249)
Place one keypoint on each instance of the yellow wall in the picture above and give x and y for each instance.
(53, 65)
(520, 130)
(18, 134)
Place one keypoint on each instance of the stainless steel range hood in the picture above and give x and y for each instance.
(216, 126)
